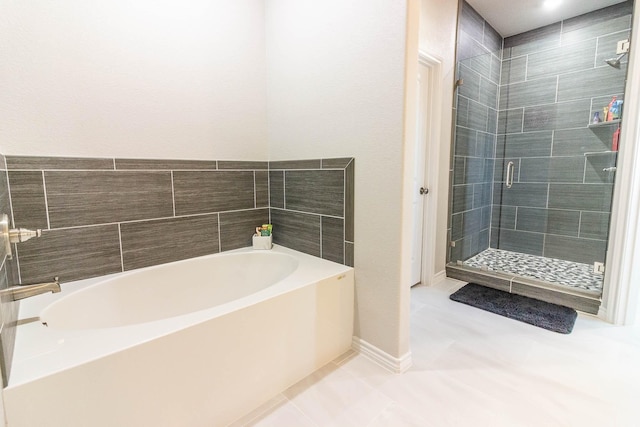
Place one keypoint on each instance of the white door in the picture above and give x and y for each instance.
(420, 188)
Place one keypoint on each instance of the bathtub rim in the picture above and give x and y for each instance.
(39, 352)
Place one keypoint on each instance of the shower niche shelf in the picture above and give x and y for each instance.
(603, 124)
(599, 153)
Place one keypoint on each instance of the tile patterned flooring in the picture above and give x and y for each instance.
(474, 368)
(557, 271)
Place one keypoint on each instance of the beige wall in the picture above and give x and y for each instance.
(438, 26)
(170, 79)
(336, 75)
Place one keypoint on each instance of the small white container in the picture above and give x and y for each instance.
(262, 242)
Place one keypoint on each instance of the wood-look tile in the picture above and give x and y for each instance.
(349, 202)
(27, 196)
(295, 164)
(276, 189)
(587, 197)
(333, 239)
(262, 188)
(317, 191)
(155, 242)
(521, 241)
(585, 304)
(237, 228)
(490, 280)
(54, 163)
(337, 163)
(585, 251)
(164, 164)
(234, 164)
(297, 231)
(212, 191)
(92, 197)
(349, 258)
(71, 254)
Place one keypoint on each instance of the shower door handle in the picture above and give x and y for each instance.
(510, 169)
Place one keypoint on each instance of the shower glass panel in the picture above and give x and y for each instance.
(534, 155)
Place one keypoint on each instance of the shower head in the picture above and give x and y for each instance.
(615, 62)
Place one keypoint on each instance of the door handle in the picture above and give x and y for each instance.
(424, 190)
(510, 169)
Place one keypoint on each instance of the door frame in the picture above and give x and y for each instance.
(432, 169)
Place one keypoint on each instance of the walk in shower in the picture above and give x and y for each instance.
(534, 154)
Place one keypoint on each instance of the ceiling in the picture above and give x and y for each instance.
(511, 17)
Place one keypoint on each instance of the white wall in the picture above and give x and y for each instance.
(144, 78)
(336, 74)
(438, 26)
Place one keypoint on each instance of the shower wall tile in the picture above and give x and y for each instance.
(238, 228)
(561, 60)
(586, 197)
(154, 242)
(598, 17)
(488, 93)
(57, 163)
(586, 251)
(276, 189)
(529, 195)
(562, 115)
(514, 70)
(198, 192)
(471, 86)
(462, 198)
(503, 217)
(551, 221)
(594, 28)
(299, 231)
(479, 65)
(521, 241)
(595, 82)
(164, 164)
(71, 254)
(29, 205)
(552, 169)
(333, 239)
(535, 40)
(607, 46)
(262, 188)
(94, 197)
(510, 121)
(576, 142)
(532, 92)
(594, 225)
(471, 22)
(465, 142)
(596, 165)
(528, 144)
(317, 191)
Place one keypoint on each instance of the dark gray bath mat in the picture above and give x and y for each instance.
(538, 313)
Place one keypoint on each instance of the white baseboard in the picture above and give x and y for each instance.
(438, 277)
(387, 361)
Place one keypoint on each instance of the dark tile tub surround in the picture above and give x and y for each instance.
(472, 165)
(553, 80)
(8, 277)
(102, 216)
(312, 206)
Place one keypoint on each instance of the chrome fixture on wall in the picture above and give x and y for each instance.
(615, 62)
(25, 291)
(13, 235)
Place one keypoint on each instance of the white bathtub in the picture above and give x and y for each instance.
(193, 343)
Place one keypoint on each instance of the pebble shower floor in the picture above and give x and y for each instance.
(566, 273)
